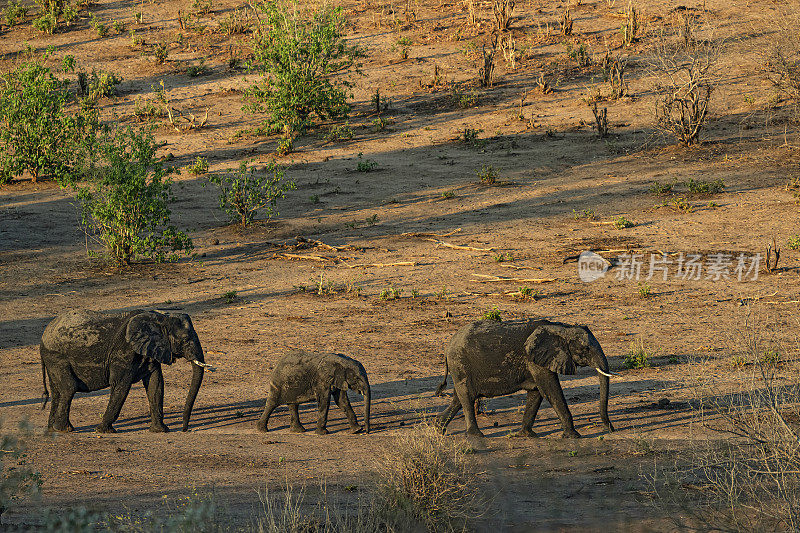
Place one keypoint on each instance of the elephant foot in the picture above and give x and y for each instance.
(524, 433)
(475, 432)
(570, 434)
(62, 428)
(297, 429)
(608, 426)
(321, 431)
(355, 430)
(158, 428)
(261, 427)
(105, 429)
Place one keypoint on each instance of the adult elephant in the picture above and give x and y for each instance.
(85, 351)
(489, 358)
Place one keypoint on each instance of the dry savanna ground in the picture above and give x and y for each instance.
(253, 293)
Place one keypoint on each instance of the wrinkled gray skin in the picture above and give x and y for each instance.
(489, 358)
(85, 351)
(302, 376)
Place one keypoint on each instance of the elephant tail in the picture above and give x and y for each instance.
(46, 393)
(443, 384)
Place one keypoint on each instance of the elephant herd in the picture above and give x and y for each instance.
(85, 351)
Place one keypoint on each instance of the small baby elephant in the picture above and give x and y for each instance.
(301, 377)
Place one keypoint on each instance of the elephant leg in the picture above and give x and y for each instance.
(269, 406)
(296, 426)
(62, 401)
(154, 385)
(55, 400)
(119, 392)
(341, 399)
(531, 409)
(468, 404)
(551, 389)
(323, 405)
(448, 414)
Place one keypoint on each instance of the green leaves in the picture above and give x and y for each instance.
(245, 192)
(298, 54)
(124, 206)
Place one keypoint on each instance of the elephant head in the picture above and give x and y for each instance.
(561, 348)
(350, 374)
(162, 338)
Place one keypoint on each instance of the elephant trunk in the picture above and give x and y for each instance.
(602, 375)
(197, 379)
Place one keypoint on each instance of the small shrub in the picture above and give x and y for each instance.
(119, 26)
(391, 293)
(200, 166)
(493, 314)
(145, 109)
(488, 175)
(794, 242)
(448, 195)
(124, 206)
(681, 203)
(638, 356)
(229, 297)
(586, 213)
(579, 54)
(471, 137)
(237, 22)
(339, 133)
(630, 28)
(202, 6)
(245, 192)
(365, 165)
(160, 52)
(285, 145)
(14, 12)
(46, 23)
(622, 223)
(600, 120)
(199, 69)
(99, 27)
(661, 188)
(705, 187)
(644, 290)
(444, 293)
(97, 85)
(502, 11)
(298, 52)
(380, 124)
(463, 99)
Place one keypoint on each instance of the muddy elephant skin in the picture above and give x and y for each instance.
(302, 376)
(85, 351)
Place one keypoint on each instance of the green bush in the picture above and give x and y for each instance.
(36, 135)
(243, 193)
(47, 23)
(124, 204)
(303, 58)
(14, 12)
(97, 85)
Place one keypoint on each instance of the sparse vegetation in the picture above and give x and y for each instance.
(622, 223)
(200, 166)
(19, 480)
(644, 290)
(250, 190)
(493, 314)
(638, 355)
(229, 297)
(390, 293)
(705, 187)
(488, 175)
(365, 165)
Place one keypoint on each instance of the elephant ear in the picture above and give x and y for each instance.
(549, 348)
(146, 336)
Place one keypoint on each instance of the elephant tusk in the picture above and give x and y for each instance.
(606, 374)
(211, 368)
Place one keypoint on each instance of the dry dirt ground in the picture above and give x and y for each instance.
(551, 166)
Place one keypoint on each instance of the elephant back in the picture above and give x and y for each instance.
(82, 329)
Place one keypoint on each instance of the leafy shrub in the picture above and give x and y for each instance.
(488, 175)
(638, 356)
(99, 27)
(14, 12)
(237, 22)
(705, 187)
(97, 85)
(199, 69)
(160, 53)
(200, 166)
(18, 478)
(391, 293)
(622, 223)
(246, 191)
(365, 165)
(124, 204)
(493, 314)
(46, 23)
(794, 242)
(36, 134)
(300, 53)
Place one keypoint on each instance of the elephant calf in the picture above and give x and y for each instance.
(302, 376)
(489, 358)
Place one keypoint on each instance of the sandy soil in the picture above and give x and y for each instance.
(551, 165)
